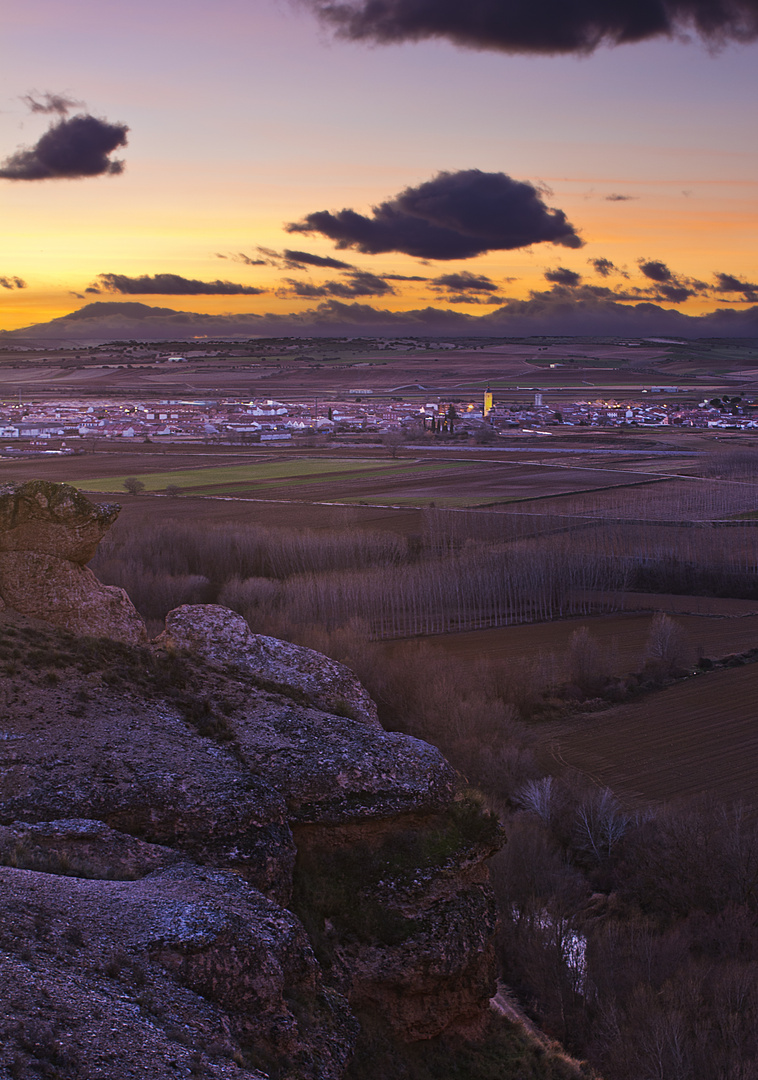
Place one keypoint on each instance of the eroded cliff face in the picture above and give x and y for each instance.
(47, 534)
(223, 814)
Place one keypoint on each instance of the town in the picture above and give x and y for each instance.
(68, 423)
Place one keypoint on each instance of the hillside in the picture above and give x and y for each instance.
(214, 860)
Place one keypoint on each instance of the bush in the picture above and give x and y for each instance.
(133, 485)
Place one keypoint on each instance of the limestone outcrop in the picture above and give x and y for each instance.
(186, 971)
(222, 637)
(47, 533)
(230, 839)
(52, 519)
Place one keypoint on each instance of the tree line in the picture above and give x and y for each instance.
(464, 570)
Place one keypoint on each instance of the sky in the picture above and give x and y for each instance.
(513, 180)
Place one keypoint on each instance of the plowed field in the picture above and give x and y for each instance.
(623, 638)
(700, 735)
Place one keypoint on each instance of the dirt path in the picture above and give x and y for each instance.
(505, 1003)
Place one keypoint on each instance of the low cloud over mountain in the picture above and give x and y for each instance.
(728, 283)
(670, 286)
(542, 26)
(356, 283)
(465, 281)
(585, 310)
(453, 216)
(169, 285)
(563, 276)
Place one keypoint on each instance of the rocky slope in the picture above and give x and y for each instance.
(212, 854)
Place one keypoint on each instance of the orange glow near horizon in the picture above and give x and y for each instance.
(250, 119)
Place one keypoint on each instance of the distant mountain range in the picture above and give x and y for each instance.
(544, 313)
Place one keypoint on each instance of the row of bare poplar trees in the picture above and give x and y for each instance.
(466, 570)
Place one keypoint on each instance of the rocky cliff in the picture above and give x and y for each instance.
(48, 532)
(211, 853)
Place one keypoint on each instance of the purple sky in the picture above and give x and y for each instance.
(243, 116)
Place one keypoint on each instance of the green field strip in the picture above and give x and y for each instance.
(202, 477)
(214, 479)
(349, 479)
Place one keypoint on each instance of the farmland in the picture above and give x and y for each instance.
(623, 635)
(699, 735)
(503, 553)
(415, 477)
(324, 367)
(413, 480)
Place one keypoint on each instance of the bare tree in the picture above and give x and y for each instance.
(133, 485)
(537, 796)
(393, 440)
(600, 824)
(587, 664)
(665, 644)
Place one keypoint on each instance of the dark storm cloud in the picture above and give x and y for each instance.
(472, 298)
(563, 276)
(170, 285)
(70, 149)
(453, 216)
(357, 283)
(669, 286)
(465, 282)
(12, 283)
(676, 294)
(542, 26)
(728, 283)
(605, 267)
(298, 260)
(50, 103)
(656, 271)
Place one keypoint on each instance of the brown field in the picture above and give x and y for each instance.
(733, 630)
(267, 370)
(697, 736)
(586, 368)
(150, 510)
(360, 475)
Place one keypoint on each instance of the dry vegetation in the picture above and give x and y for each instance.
(631, 934)
(463, 570)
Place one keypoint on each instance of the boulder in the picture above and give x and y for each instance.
(137, 766)
(68, 595)
(81, 848)
(52, 519)
(47, 533)
(168, 975)
(363, 834)
(222, 637)
(332, 770)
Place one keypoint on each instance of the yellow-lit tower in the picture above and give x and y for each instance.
(487, 401)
